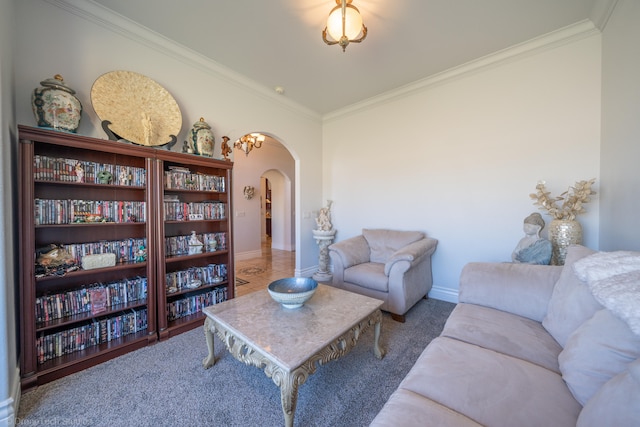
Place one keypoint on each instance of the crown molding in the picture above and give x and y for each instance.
(602, 11)
(569, 34)
(116, 23)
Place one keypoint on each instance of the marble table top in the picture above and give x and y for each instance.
(290, 336)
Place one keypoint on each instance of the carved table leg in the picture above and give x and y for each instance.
(289, 397)
(209, 361)
(377, 350)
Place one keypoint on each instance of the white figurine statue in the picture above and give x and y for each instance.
(195, 245)
(323, 221)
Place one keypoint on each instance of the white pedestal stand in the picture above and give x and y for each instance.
(323, 239)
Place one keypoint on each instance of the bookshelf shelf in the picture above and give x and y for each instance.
(72, 338)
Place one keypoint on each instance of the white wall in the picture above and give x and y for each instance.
(90, 41)
(9, 373)
(619, 223)
(459, 158)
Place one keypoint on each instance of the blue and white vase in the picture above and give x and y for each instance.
(55, 105)
(202, 138)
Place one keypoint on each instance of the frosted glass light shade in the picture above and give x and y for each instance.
(353, 22)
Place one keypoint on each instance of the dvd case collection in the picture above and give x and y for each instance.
(179, 245)
(194, 304)
(78, 301)
(194, 277)
(47, 168)
(175, 210)
(177, 178)
(49, 212)
(51, 346)
(125, 250)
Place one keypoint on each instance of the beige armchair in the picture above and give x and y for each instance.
(392, 266)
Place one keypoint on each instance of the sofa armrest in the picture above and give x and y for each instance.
(349, 252)
(411, 253)
(521, 289)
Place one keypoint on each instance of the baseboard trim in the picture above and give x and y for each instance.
(9, 407)
(444, 294)
(306, 272)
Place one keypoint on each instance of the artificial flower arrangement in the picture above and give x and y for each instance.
(572, 200)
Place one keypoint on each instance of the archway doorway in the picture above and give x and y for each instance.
(274, 163)
(276, 210)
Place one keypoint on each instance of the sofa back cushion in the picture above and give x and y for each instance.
(383, 243)
(616, 403)
(597, 351)
(571, 302)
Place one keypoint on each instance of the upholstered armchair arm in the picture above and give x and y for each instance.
(410, 254)
(522, 289)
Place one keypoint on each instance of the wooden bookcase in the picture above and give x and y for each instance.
(205, 184)
(60, 334)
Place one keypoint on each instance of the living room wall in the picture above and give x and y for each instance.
(90, 41)
(619, 225)
(458, 155)
(9, 374)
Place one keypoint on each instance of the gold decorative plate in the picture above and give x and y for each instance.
(139, 109)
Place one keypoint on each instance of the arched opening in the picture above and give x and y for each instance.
(263, 215)
(277, 219)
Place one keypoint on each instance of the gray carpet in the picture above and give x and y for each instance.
(165, 384)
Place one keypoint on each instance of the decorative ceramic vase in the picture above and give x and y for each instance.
(562, 234)
(55, 105)
(202, 138)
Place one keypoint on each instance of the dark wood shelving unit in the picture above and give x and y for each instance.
(171, 228)
(37, 143)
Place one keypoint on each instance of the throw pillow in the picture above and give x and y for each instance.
(603, 265)
(597, 351)
(571, 302)
(616, 403)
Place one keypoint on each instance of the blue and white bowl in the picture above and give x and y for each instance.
(292, 292)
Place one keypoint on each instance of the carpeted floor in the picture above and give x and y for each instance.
(165, 384)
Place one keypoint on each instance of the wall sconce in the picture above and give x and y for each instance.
(344, 25)
(248, 142)
(248, 192)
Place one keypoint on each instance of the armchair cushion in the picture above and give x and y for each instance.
(352, 251)
(368, 274)
(384, 243)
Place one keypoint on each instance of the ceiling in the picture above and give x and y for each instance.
(278, 42)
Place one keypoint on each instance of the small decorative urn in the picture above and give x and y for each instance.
(55, 105)
(202, 138)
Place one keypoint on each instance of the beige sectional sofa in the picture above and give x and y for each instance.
(532, 345)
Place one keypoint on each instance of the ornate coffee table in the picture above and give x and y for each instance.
(289, 344)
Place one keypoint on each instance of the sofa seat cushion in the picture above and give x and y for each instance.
(383, 243)
(491, 388)
(368, 275)
(504, 333)
(408, 409)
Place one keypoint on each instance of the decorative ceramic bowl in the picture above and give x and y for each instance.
(292, 292)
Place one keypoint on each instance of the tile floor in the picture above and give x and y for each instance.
(259, 272)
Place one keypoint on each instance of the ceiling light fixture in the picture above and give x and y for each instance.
(344, 25)
(250, 141)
